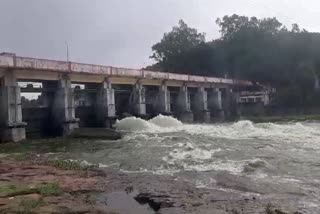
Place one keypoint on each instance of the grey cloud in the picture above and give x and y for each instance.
(121, 32)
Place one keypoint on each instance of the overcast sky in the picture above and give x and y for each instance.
(121, 32)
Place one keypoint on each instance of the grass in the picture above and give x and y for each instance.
(7, 189)
(72, 165)
(48, 189)
(27, 205)
(40, 145)
(13, 190)
(15, 156)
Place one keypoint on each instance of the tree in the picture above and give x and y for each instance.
(262, 50)
(232, 25)
(170, 52)
(295, 28)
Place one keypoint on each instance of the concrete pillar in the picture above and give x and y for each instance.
(12, 128)
(139, 100)
(163, 103)
(64, 107)
(105, 106)
(184, 112)
(201, 112)
(215, 104)
(229, 104)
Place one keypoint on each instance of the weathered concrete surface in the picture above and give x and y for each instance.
(11, 124)
(139, 100)
(200, 103)
(215, 104)
(162, 193)
(64, 107)
(163, 102)
(183, 107)
(105, 105)
(13, 134)
(202, 116)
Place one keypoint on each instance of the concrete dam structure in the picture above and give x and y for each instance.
(75, 94)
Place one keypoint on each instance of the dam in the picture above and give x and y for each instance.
(73, 95)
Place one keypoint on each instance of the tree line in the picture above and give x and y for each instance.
(262, 50)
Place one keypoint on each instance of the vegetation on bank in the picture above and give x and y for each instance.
(250, 48)
(75, 165)
(72, 165)
(47, 189)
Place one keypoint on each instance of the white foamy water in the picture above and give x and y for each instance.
(265, 157)
(157, 124)
(294, 132)
(165, 121)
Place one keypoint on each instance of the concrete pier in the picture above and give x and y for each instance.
(64, 107)
(105, 94)
(139, 100)
(215, 104)
(12, 128)
(184, 112)
(201, 112)
(105, 106)
(163, 105)
(229, 104)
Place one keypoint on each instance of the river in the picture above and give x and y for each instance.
(276, 160)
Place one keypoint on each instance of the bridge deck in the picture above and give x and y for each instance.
(32, 68)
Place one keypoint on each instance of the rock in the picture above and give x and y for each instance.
(4, 201)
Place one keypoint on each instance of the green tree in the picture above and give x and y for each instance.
(262, 50)
(171, 51)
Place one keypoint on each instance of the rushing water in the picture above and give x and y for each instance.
(279, 160)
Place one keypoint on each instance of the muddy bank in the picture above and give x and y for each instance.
(41, 186)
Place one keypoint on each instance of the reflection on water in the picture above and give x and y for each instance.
(267, 158)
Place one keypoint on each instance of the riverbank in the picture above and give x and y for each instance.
(34, 184)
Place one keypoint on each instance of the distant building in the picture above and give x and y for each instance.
(255, 94)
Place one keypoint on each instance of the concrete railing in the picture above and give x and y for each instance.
(12, 61)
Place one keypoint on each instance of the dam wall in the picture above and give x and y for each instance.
(73, 95)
